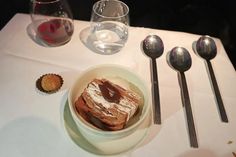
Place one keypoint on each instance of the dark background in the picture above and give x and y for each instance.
(206, 17)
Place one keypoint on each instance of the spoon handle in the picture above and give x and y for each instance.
(156, 97)
(221, 107)
(188, 110)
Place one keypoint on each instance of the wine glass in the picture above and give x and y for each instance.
(52, 21)
(109, 26)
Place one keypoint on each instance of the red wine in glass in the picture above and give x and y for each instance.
(55, 32)
(52, 21)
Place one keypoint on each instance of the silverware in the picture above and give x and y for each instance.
(206, 48)
(153, 47)
(180, 60)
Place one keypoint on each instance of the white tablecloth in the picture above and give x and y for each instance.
(31, 123)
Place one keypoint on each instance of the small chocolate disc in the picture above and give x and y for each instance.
(49, 83)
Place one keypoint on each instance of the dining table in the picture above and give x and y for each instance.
(33, 123)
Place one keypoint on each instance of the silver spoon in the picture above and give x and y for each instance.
(153, 47)
(180, 60)
(206, 48)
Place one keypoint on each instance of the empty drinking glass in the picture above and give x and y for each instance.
(109, 26)
(52, 21)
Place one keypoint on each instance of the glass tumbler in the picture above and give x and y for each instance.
(109, 26)
(52, 21)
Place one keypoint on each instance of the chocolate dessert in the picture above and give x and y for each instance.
(49, 83)
(106, 105)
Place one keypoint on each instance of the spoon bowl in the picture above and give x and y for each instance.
(153, 46)
(206, 47)
(179, 59)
